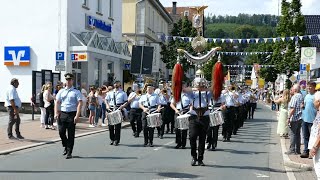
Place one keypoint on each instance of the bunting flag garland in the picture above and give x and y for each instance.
(164, 38)
(243, 53)
(247, 66)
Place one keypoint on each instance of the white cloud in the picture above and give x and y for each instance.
(234, 7)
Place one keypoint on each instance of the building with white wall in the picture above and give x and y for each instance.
(88, 32)
(143, 21)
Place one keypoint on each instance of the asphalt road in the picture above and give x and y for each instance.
(254, 153)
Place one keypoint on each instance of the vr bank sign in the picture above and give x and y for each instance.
(92, 22)
(17, 55)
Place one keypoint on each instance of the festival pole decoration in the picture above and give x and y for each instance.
(198, 44)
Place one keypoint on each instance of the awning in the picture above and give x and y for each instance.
(98, 43)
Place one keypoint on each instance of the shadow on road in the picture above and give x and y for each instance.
(241, 152)
(97, 157)
(177, 175)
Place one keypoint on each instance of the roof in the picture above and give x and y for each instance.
(313, 27)
(160, 7)
(181, 10)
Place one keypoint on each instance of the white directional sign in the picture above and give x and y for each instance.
(308, 55)
(60, 62)
(303, 75)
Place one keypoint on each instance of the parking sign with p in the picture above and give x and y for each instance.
(60, 56)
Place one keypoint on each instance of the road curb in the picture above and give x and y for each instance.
(287, 161)
(6, 152)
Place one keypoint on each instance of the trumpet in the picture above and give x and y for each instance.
(164, 91)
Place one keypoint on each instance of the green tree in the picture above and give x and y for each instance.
(169, 53)
(246, 31)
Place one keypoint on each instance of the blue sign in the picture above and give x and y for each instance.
(60, 56)
(93, 22)
(303, 67)
(127, 66)
(17, 55)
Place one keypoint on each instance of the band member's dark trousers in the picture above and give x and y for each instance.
(135, 120)
(248, 109)
(212, 135)
(253, 107)
(66, 123)
(181, 137)
(147, 131)
(13, 120)
(165, 119)
(229, 116)
(171, 114)
(198, 127)
(241, 115)
(114, 132)
(236, 121)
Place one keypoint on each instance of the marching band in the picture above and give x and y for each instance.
(196, 112)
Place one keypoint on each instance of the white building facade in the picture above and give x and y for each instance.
(88, 33)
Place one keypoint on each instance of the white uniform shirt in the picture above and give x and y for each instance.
(135, 102)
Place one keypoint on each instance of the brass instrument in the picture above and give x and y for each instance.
(147, 81)
(164, 91)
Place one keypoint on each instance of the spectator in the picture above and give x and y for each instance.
(98, 95)
(103, 106)
(48, 100)
(308, 115)
(84, 100)
(314, 141)
(294, 120)
(13, 103)
(41, 105)
(282, 129)
(303, 90)
(92, 104)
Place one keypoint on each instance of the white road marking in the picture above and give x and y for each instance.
(167, 144)
(261, 175)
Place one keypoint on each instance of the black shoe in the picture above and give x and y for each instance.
(161, 137)
(20, 137)
(111, 142)
(116, 143)
(145, 144)
(177, 146)
(69, 156)
(133, 134)
(213, 148)
(151, 144)
(136, 135)
(200, 163)
(224, 140)
(167, 132)
(158, 135)
(172, 132)
(296, 153)
(234, 133)
(12, 137)
(228, 139)
(65, 151)
(193, 162)
(304, 155)
(183, 147)
(208, 146)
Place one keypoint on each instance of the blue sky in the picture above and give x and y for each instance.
(234, 7)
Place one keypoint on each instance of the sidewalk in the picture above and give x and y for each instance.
(303, 167)
(36, 136)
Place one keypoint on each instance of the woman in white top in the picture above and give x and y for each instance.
(41, 106)
(48, 100)
(98, 108)
(84, 100)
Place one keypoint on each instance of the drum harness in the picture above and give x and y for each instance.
(150, 107)
(115, 106)
(200, 111)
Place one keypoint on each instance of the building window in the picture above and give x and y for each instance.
(85, 3)
(153, 19)
(99, 6)
(149, 15)
(111, 8)
(186, 13)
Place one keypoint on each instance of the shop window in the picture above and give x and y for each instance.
(110, 8)
(97, 72)
(110, 72)
(99, 6)
(85, 3)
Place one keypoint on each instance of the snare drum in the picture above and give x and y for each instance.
(154, 120)
(182, 122)
(216, 118)
(114, 117)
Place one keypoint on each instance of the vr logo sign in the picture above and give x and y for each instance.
(17, 56)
